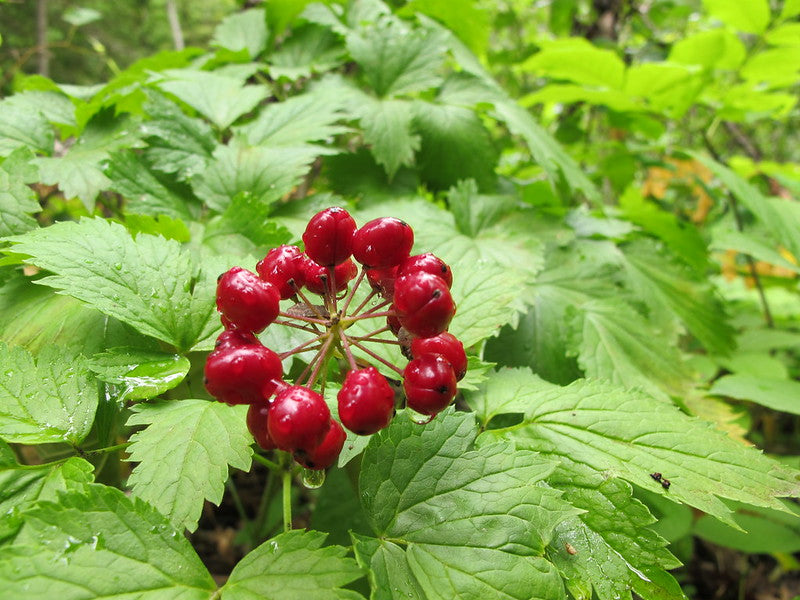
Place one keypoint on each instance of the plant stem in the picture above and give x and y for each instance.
(349, 353)
(295, 326)
(301, 346)
(376, 340)
(287, 497)
(332, 288)
(237, 502)
(374, 308)
(302, 318)
(376, 357)
(371, 315)
(322, 358)
(352, 293)
(272, 466)
(306, 301)
(263, 506)
(108, 449)
(366, 300)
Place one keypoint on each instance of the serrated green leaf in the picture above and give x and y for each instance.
(78, 173)
(177, 143)
(777, 394)
(131, 176)
(750, 16)
(150, 283)
(576, 59)
(338, 510)
(140, 373)
(469, 21)
(296, 121)
(90, 534)
(219, 98)
(388, 131)
(663, 285)
(184, 454)
(55, 106)
(395, 58)
(52, 399)
(264, 172)
(505, 391)
(473, 515)
(171, 229)
(454, 145)
(24, 126)
(616, 343)
(293, 566)
(310, 49)
(629, 434)
(763, 531)
(244, 30)
(388, 570)
(246, 216)
(17, 203)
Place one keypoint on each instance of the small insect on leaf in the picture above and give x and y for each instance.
(665, 483)
(656, 476)
(570, 548)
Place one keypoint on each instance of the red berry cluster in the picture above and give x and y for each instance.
(416, 304)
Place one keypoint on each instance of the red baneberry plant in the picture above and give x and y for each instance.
(412, 291)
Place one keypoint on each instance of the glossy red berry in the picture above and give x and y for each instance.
(423, 303)
(247, 301)
(324, 455)
(383, 242)
(298, 419)
(231, 338)
(242, 374)
(428, 263)
(366, 401)
(445, 344)
(257, 424)
(317, 276)
(429, 383)
(329, 236)
(382, 280)
(281, 267)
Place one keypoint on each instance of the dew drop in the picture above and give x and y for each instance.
(419, 418)
(313, 479)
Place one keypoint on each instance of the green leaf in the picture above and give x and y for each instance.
(50, 400)
(264, 172)
(221, 99)
(388, 131)
(150, 283)
(454, 145)
(310, 49)
(184, 454)
(628, 434)
(78, 173)
(171, 229)
(79, 15)
(249, 217)
(716, 48)
(471, 23)
(388, 570)
(55, 106)
(467, 517)
(576, 59)
(296, 121)
(177, 143)
(17, 203)
(244, 30)
(95, 532)
(338, 510)
(395, 58)
(132, 177)
(22, 486)
(616, 343)
(506, 391)
(750, 16)
(790, 8)
(663, 285)
(293, 566)
(777, 394)
(782, 218)
(141, 374)
(24, 125)
(762, 530)
(614, 531)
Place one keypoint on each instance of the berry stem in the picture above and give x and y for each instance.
(374, 333)
(372, 315)
(301, 318)
(349, 353)
(332, 288)
(286, 479)
(295, 325)
(376, 357)
(305, 300)
(369, 297)
(272, 466)
(321, 358)
(283, 355)
(376, 340)
(352, 293)
(301, 347)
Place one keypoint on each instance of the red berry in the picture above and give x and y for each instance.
(242, 374)
(329, 236)
(281, 267)
(445, 344)
(257, 424)
(429, 383)
(429, 264)
(423, 303)
(232, 338)
(298, 419)
(382, 280)
(366, 401)
(246, 301)
(317, 275)
(327, 452)
(383, 242)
